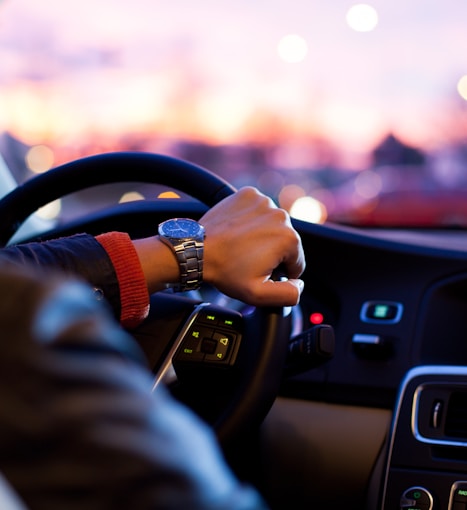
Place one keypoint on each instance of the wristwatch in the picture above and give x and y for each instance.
(186, 238)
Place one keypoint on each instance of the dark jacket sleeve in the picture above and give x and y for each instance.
(79, 255)
(80, 427)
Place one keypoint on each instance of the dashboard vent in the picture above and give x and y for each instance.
(456, 416)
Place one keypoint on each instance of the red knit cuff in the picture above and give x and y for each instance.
(134, 295)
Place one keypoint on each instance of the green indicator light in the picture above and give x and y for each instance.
(188, 351)
(381, 311)
(462, 492)
(229, 322)
(195, 334)
(220, 355)
(417, 495)
(211, 317)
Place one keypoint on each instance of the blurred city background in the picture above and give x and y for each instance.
(341, 111)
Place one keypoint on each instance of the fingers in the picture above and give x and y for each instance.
(294, 258)
(247, 238)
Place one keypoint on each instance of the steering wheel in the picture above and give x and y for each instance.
(234, 397)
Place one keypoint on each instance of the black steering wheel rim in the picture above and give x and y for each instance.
(259, 386)
(87, 172)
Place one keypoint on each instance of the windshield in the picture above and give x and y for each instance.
(342, 112)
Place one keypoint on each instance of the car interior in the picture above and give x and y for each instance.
(356, 398)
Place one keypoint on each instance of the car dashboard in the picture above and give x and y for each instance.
(389, 418)
(393, 305)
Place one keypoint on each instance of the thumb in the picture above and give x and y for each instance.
(283, 292)
(298, 285)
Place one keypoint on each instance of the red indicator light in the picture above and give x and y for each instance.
(316, 318)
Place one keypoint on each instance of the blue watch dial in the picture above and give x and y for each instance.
(181, 228)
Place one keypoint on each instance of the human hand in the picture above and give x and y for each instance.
(247, 238)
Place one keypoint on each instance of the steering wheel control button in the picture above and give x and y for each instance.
(458, 500)
(416, 498)
(381, 312)
(221, 319)
(229, 322)
(208, 346)
(191, 348)
(208, 317)
(212, 339)
(222, 345)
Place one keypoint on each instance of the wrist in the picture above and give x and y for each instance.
(158, 262)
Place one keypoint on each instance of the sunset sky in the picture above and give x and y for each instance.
(210, 70)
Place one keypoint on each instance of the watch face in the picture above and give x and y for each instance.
(181, 228)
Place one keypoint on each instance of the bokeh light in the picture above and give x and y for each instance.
(289, 194)
(169, 194)
(368, 184)
(292, 48)
(309, 209)
(39, 159)
(131, 196)
(362, 18)
(50, 211)
(462, 87)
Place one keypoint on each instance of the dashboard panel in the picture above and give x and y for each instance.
(351, 277)
(397, 301)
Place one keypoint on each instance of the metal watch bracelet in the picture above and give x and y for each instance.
(190, 259)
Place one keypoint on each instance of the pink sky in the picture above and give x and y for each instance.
(209, 69)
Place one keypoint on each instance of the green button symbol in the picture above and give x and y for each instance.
(381, 312)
